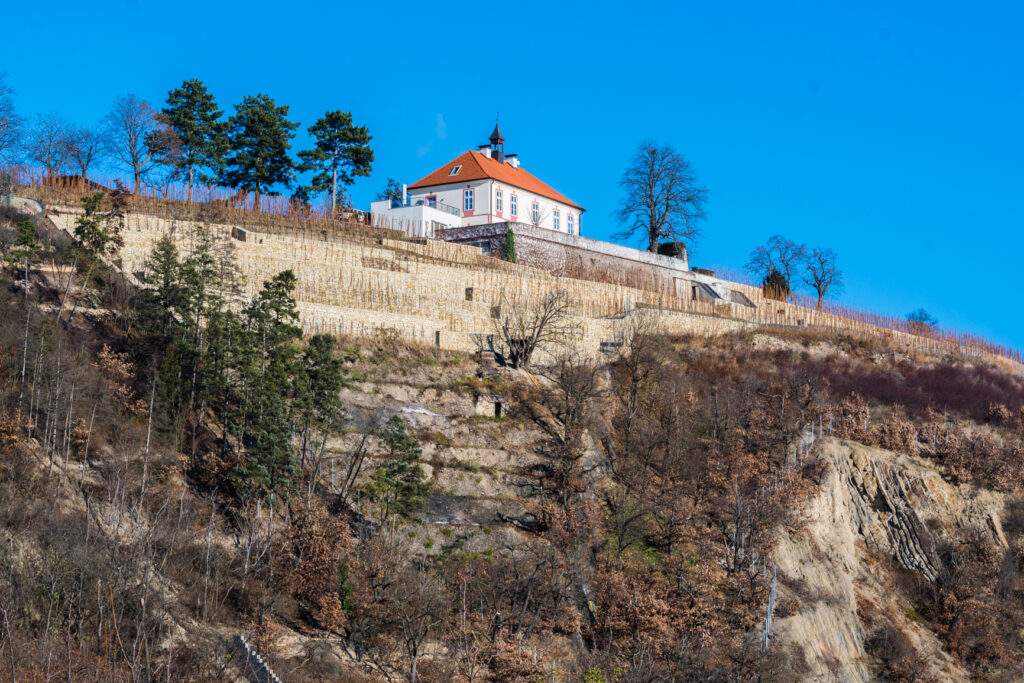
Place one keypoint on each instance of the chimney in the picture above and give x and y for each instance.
(513, 160)
(485, 150)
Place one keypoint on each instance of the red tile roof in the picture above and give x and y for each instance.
(476, 166)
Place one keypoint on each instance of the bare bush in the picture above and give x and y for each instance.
(524, 325)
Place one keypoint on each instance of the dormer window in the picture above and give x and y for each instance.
(455, 170)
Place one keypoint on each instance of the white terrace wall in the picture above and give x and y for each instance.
(442, 293)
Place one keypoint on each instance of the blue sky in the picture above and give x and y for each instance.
(890, 132)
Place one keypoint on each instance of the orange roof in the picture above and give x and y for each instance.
(476, 166)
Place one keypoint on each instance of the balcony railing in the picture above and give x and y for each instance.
(440, 206)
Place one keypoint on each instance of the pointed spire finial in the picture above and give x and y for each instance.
(496, 137)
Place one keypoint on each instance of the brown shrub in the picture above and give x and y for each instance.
(895, 432)
(312, 560)
(513, 663)
(897, 659)
(998, 414)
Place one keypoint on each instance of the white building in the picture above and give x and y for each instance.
(479, 187)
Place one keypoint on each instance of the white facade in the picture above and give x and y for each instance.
(417, 220)
(477, 202)
(490, 201)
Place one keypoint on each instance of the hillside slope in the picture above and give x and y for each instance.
(435, 516)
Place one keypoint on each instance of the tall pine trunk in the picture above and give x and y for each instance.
(334, 192)
(191, 178)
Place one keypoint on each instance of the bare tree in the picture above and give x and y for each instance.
(663, 199)
(48, 144)
(822, 274)
(85, 146)
(419, 603)
(128, 124)
(10, 122)
(522, 326)
(778, 254)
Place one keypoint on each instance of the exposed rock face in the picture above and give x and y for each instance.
(875, 508)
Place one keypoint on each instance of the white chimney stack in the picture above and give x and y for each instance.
(485, 150)
(513, 160)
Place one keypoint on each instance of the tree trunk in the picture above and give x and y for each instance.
(821, 299)
(137, 177)
(24, 348)
(256, 199)
(334, 192)
(191, 177)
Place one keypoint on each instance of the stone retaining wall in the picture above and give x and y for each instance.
(560, 253)
(441, 293)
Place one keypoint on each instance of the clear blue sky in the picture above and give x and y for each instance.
(890, 132)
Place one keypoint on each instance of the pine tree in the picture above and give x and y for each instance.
(25, 251)
(259, 135)
(266, 367)
(508, 249)
(162, 297)
(98, 232)
(392, 190)
(341, 153)
(399, 486)
(211, 330)
(317, 407)
(191, 138)
(23, 255)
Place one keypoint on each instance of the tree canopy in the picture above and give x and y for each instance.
(10, 122)
(663, 200)
(260, 135)
(190, 140)
(341, 152)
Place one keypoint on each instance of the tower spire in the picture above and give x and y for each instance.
(497, 143)
(496, 136)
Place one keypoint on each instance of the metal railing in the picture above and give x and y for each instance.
(440, 206)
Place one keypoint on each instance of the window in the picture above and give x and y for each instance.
(535, 213)
(498, 200)
(467, 200)
(513, 205)
(570, 221)
(556, 220)
(455, 170)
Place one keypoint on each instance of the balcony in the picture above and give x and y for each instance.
(440, 206)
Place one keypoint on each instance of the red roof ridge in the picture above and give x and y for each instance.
(483, 167)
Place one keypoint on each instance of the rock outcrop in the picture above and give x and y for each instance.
(875, 509)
